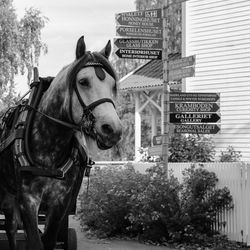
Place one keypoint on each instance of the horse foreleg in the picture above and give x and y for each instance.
(29, 213)
(54, 221)
(11, 227)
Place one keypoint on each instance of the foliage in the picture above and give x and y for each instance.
(106, 207)
(20, 46)
(152, 207)
(191, 148)
(230, 155)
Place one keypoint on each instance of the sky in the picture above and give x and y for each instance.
(68, 20)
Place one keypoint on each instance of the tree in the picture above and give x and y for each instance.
(20, 46)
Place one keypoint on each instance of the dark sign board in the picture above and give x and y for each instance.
(194, 107)
(196, 128)
(143, 18)
(194, 97)
(137, 43)
(139, 32)
(139, 54)
(157, 140)
(194, 117)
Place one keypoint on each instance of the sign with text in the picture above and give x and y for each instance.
(181, 63)
(135, 43)
(144, 18)
(194, 107)
(196, 128)
(139, 32)
(139, 54)
(155, 150)
(157, 140)
(194, 117)
(194, 97)
(178, 74)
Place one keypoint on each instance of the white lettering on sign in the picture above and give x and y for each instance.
(193, 107)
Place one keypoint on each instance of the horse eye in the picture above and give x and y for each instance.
(84, 82)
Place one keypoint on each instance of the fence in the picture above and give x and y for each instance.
(235, 176)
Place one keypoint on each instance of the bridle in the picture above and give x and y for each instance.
(88, 120)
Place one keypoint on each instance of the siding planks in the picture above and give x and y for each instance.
(218, 33)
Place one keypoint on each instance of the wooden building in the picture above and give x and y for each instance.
(218, 33)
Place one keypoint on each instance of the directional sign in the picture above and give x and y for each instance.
(135, 43)
(178, 74)
(156, 150)
(157, 140)
(194, 97)
(178, 1)
(181, 63)
(194, 117)
(194, 107)
(145, 18)
(196, 128)
(139, 54)
(138, 32)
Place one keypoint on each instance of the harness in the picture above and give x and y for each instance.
(19, 120)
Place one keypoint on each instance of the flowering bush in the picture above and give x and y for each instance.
(151, 206)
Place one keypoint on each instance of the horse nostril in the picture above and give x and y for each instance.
(107, 129)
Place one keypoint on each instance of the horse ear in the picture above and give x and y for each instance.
(80, 47)
(107, 50)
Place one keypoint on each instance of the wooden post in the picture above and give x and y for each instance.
(165, 144)
(137, 126)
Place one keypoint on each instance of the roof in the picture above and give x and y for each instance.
(148, 75)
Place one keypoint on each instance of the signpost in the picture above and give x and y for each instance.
(144, 18)
(136, 43)
(194, 107)
(145, 32)
(196, 128)
(181, 63)
(178, 74)
(194, 97)
(194, 117)
(139, 53)
(157, 140)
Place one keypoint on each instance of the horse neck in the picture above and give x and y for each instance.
(50, 141)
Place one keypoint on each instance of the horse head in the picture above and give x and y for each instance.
(92, 89)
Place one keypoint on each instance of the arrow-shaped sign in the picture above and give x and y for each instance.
(196, 128)
(194, 97)
(139, 32)
(136, 43)
(178, 74)
(194, 117)
(181, 63)
(139, 53)
(143, 18)
(194, 107)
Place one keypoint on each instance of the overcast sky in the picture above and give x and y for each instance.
(68, 20)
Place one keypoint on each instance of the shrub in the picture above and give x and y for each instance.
(230, 155)
(152, 207)
(191, 148)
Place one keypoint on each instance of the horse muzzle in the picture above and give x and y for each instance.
(108, 135)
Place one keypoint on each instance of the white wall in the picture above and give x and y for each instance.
(218, 33)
